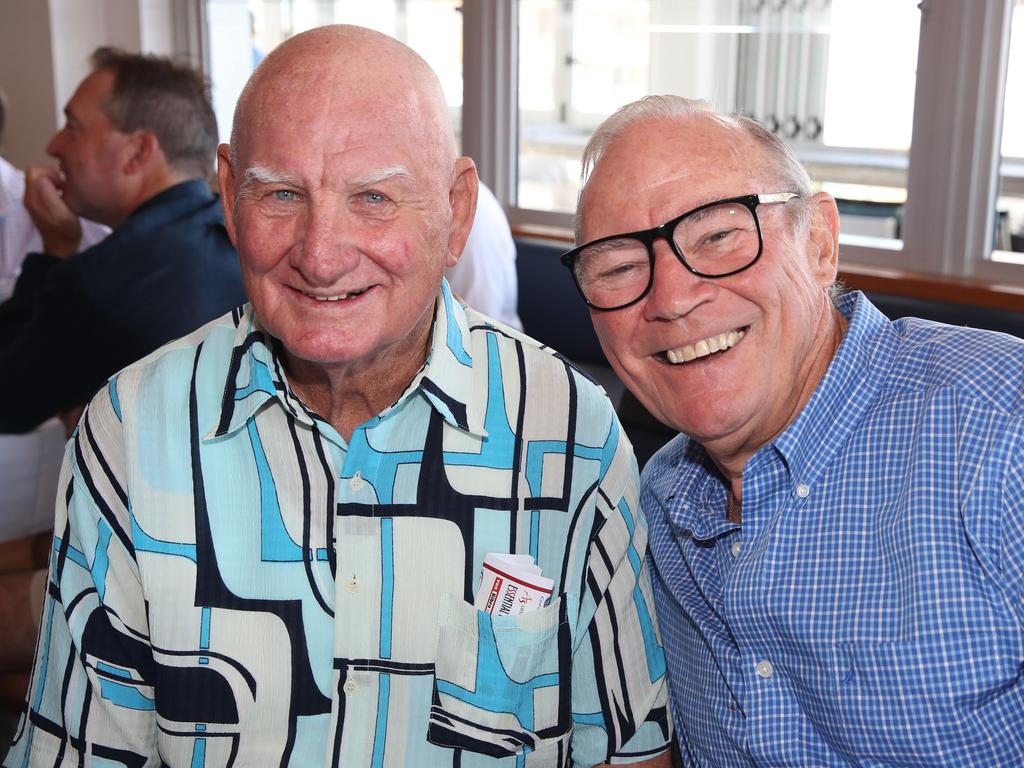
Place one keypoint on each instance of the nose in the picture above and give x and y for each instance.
(56, 145)
(676, 290)
(327, 250)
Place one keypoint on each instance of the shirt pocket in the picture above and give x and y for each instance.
(930, 700)
(502, 683)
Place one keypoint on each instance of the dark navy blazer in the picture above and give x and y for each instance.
(70, 324)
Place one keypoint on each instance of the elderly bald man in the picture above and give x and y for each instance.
(271, 532)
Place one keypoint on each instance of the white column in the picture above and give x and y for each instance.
(26, 77)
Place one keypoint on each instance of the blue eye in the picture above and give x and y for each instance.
(284, 195)
(374, 197)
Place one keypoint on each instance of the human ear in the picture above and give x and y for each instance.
(462, 197)
(140, 148)
(226, 184)
(824, 237)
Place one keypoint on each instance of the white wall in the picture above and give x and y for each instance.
(156, 26)
(44, 54)
(77, 28)
(26, 77)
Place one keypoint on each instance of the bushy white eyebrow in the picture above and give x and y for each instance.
(257, 173)
(384, 174)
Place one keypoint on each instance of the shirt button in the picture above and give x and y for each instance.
(356, 482)
(803, 490)
(350, 687)
(764, 669)
(352, 585)
(736, 547)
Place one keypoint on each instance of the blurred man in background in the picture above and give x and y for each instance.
(134, 155)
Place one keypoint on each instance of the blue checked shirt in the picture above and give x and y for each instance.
(870, 609)
(233, 584)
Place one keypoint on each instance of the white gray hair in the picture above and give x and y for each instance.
(790, 172)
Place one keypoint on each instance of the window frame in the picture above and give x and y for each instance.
(953, 166)
(953, 171)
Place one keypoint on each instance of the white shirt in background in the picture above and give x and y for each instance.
(18, 235)
(485, 277)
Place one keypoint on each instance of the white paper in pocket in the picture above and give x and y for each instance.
(511, 585)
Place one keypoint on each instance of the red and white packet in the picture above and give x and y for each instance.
(511, 585)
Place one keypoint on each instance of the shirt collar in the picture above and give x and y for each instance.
(449, 380)
(183, 195)
(694, 500)
(849, 386)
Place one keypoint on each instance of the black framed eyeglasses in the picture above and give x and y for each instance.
(713, 240)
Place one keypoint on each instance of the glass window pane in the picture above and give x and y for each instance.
(797, 66)
(1009, 217)
(242, 31)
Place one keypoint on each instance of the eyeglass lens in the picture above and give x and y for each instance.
(714, 241)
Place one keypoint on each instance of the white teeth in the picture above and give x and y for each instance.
(704, 347)
(335, 298)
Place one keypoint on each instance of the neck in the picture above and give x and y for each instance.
(347, 395)
(734, 504)
(148, 187)
(731, 452)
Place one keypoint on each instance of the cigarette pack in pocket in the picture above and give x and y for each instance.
(511, 585)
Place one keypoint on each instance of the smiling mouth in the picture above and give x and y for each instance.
(337, 297)
(717, 343)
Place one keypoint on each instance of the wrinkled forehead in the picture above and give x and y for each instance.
(658, 169)
(309, 121)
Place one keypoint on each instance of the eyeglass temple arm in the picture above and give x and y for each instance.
(777, 197)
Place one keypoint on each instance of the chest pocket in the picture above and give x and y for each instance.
(502, 683)
(941, 700)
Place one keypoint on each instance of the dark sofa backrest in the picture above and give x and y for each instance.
(550, 307)
(1002, 320)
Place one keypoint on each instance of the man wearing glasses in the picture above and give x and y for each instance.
(837, 533)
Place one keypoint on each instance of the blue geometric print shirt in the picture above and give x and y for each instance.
(869, 611)
(235, 585)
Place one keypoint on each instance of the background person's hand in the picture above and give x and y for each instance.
(60, 229)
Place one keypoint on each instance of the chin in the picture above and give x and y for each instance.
(708, 417)
(327, 351)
